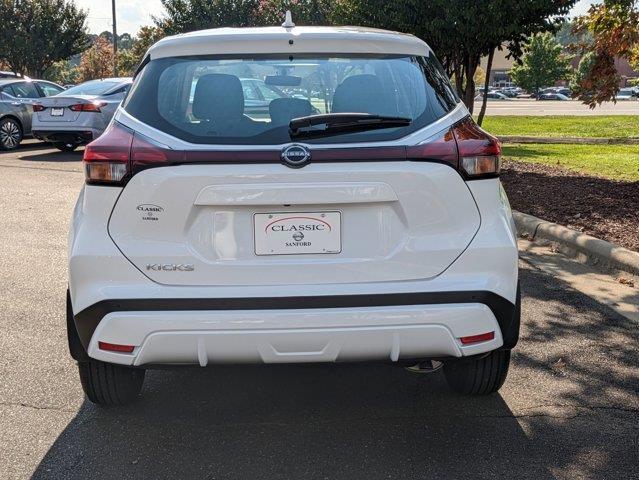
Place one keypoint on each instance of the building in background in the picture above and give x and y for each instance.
(500, 74)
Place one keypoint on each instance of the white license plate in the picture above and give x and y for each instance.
(57, 112)
(295, 233)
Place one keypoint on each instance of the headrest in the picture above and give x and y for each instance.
(364, 94)
(218, 96)
(283, 110)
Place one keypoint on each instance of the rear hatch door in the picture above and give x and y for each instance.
(246, 224)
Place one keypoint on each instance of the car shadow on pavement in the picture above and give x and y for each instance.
(565, 412)
(294, 422)
(51, 156)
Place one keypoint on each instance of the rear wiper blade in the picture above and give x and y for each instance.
(336, 123)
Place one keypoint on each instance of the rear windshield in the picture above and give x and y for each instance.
(250, 101)
(93, 87)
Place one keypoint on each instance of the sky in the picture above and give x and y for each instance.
(132, 14)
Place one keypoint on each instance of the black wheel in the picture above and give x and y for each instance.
(108, 384)
(481, 376)
(65, 147)
(10, 134)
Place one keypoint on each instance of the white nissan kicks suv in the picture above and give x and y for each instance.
(355, 214)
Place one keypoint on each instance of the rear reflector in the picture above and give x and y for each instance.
(114, 347)
(482, 337)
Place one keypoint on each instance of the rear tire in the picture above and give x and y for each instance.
(65, 147)
(10, 134)
(481, 376)
(108, 384)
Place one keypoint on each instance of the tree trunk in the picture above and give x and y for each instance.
(469, 91)
(489, 66)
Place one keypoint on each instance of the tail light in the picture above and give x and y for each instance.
(119, 152)
(37, 107)
(88, 107)
(467, 147)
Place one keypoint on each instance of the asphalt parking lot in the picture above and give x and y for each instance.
(569, 409)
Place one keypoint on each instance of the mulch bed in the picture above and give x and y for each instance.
(600, 207)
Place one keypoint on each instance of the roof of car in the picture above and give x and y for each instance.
(4, 81)
(292, 40)
(111, 79)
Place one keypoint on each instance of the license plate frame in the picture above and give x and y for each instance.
(309, 237)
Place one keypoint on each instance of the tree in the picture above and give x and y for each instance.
(146, 37)
(127, 63)
(97, 61)
(37, 33)
(188, 15)
(63, 72)
(582, 71)
(543, 63)
(614, 27)
(461, 32)
(304, 12)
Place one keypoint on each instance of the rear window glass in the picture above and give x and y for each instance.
(93, 87)
(251, 101)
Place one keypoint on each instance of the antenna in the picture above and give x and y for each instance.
(288, 20)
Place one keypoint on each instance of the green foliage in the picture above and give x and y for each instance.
(146, 37)
(543, 63)
(305, 12)
(188, 15)
(37, 33)
(614, 27)
(63, 72)
(127, 62)
(582, 71)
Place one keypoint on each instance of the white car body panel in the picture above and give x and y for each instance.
(423, 224)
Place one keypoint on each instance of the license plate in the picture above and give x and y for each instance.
(295, 233)
(57, 112)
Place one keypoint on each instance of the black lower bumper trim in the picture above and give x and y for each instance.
(59, 136)
(505, 312)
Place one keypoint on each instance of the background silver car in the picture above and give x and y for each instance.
(17, 95)
(79, 114)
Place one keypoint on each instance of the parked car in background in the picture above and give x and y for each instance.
(493, 96)
(508, 92)
(79, 114)
(17, 96)
(4, 74)
(564, 91)
(553, 96)
(626, 94)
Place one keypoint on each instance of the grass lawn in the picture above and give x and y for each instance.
(610, 126)
(617, 162)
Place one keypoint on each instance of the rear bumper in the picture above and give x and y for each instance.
(79, 137)
(388, 327)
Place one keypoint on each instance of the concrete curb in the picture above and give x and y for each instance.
(569, 140)
(585, 248)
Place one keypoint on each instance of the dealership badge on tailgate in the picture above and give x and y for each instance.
(295, 233)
